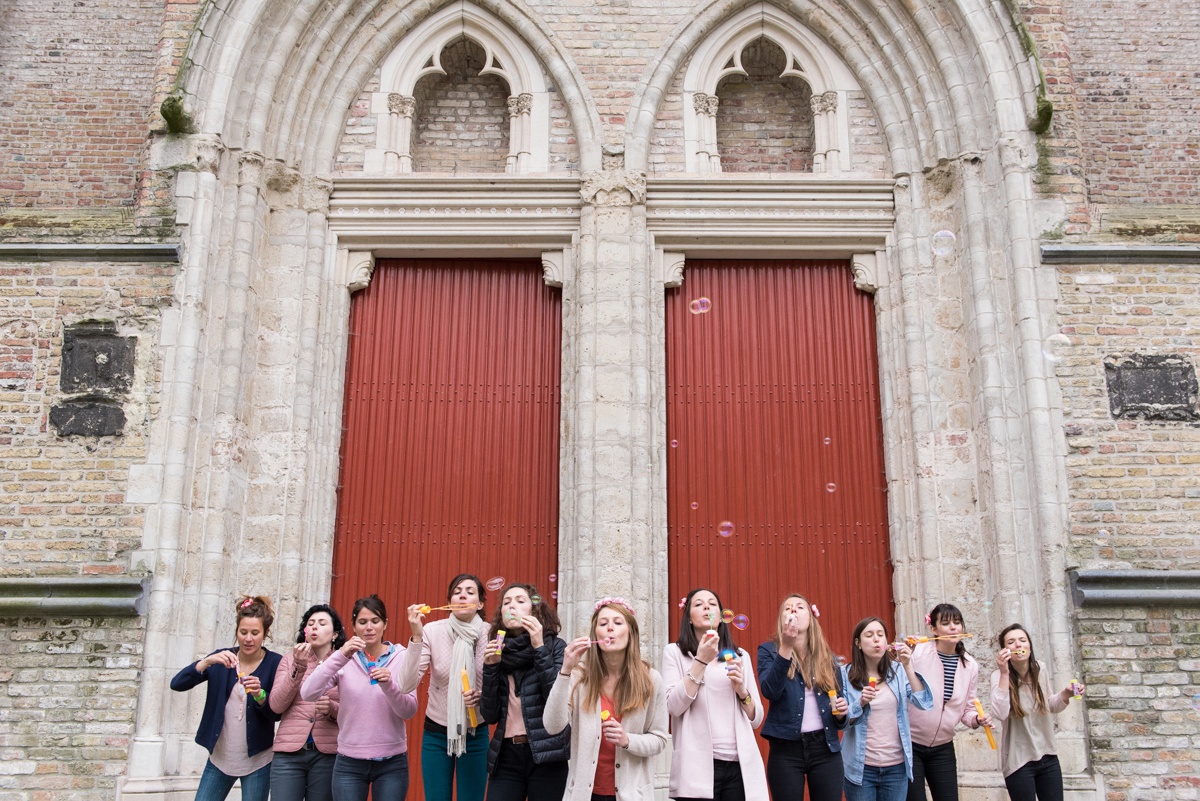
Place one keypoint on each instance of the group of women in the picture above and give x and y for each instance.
(583, 721)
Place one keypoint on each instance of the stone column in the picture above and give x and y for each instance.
(398, 157)
(826, 153)
(519, 109)
(613, 484)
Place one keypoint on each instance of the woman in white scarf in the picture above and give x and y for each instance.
(455, 743)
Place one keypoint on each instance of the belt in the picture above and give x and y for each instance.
(518, 740)
(310, 746)
(434, 727)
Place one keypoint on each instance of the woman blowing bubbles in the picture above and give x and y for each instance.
(616, 707)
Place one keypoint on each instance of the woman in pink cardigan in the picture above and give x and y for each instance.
(372, 743)
(709, 679)
(306, 743)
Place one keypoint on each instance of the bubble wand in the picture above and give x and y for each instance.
(986, 729)
(466, 684)
(425, 609)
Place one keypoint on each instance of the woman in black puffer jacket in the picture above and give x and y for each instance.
(521, 663)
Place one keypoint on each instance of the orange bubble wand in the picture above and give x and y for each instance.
(425, 609)
(955, 637)
(833, 700)
(474, 717)
(986, 729)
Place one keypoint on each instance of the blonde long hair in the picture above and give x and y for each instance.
(817, 667)
(634, 686)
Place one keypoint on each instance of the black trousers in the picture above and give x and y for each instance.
(1040, 779)
(727, 783)
(517, 777)
(792, 763)
(937, 765)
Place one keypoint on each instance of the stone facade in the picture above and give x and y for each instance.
(282, 144)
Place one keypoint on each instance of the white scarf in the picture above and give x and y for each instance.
(462, 657)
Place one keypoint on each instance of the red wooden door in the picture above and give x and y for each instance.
(775, 440)
(450, 439)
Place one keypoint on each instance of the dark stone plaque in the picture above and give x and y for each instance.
(88, 418)
(1144, 387)
(95, 359)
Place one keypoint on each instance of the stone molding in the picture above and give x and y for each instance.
(1120, 254)
(614, 188)
(558, 266)
(149, 252)
(1137, 588)
(73, 596)
(668, 268)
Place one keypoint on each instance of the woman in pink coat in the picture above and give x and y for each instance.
(714, 705)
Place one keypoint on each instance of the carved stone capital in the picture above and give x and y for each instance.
(700, 103)
(614, 188)
(399, 104)
(250, 169)
(557, 266)
(869, 274)
(314, 194)
(207, 150)
(668, 268)
(826, 102)
(357, 267)
(711, 104)
(524, 103)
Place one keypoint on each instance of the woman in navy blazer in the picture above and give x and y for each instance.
(239, 682)
(798, 675)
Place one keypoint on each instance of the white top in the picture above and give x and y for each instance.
(231, 753)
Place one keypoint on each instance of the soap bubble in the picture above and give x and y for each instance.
(695, 504)
(496, 583)
(700, 305)
(535, 600)
(725, 528)
(553, 577)
(943, 243)
(554, 595)
(740, 622)
(1056, 347)
(727, 616)
(1102, 537)
(674, 443)
(987, 606)
(828, 441)
(841, 660)
(831, 487)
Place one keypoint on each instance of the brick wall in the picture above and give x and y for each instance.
(75, 99)
(764, 122)
(461, 122)
(1135, 502)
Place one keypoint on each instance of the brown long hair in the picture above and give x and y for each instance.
(544, 613)
(858, 660)
(257, 607)
(634, 686)
(817, 668)
(1014, 680)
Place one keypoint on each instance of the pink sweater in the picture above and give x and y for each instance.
(936, 726)
(371, 716)
(433, 655)
(299, 716)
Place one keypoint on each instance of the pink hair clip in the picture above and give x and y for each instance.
(245, 603)
(683, 602)
(612, 600)
(816, 612)
(928, 622)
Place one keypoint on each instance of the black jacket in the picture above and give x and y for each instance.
(534, 687)
(260, 720)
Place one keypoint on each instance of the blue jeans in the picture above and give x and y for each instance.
(880, 784)
(215, 785)
(304, 775)
(439, 770)
(386, 779)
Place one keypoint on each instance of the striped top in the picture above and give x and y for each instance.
(949, 666)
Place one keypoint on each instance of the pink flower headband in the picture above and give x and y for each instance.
(245, 603)
(927, 621)
(816, 612)
(612, 600)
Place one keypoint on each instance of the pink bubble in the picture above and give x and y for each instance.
(828, 441)
(700, 305)
(725, 528)
(553, 577)
(695, 504)
(496, 583)
(674, 443)
(727, 616)
(740, 622)
(831, 487)
(554, 594)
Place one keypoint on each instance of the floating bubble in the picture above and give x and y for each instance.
(553, 577)
(740, 622)
(725, 528)
(828, 441)
(554, 594)
(1102, 537)
(727, 616)
(495, 583)
(674, 443)
(943, 243)
(831, 487)
(535, 600)
(695, 504)
(841, 660)
(700, 305)
(987, 606)
(1056, 347)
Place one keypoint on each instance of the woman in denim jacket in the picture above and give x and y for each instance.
(878, 748)
(798, 675)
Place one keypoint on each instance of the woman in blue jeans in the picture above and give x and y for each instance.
(306, 745)
(798, 675)
(877, 748)
(238, 725)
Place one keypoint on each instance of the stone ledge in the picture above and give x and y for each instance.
(1120, 254)
(66, 252)
(1155, 588)
(73, 596)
